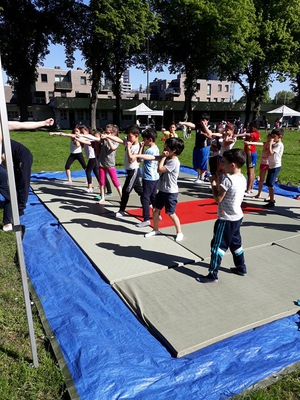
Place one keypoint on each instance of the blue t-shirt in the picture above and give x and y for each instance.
(150, 167)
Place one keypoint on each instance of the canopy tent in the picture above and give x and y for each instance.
(142, 109)
(285, 112)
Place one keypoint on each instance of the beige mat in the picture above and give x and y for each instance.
(186, 315)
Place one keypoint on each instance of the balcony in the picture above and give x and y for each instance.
(172, 91)
(63, 86)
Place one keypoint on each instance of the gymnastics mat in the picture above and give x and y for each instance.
(193, 211)
(186, 315)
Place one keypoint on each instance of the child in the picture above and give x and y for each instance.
(132, 181)
(168, 169)
(107, 161)
(75, 152)
(229, 195)
(150, 175)
(250, 149)
(275, 155)
(264, 163)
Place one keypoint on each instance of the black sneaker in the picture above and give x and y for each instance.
(210, 278)
(238, 271)
(271, 204)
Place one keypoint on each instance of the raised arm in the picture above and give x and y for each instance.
(188, 124)
(17, 125)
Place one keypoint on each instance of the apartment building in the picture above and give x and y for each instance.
(210, 90)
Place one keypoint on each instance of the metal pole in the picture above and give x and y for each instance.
(15, 213)
(148, 73)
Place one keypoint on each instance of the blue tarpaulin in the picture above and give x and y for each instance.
(110, 355)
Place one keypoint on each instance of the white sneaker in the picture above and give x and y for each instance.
(179, 237)
(198, 181)
(120, 214)
(152, 233)
(248, 193)
(89, 190)
(67, 183)
(143, 224)
(7, 227)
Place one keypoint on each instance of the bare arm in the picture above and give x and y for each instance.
(217, 191)
(112, 137)
(188, 124)
(71, 135)
(17, 125)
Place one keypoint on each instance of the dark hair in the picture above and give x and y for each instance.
(134, 129)
(278, 132)
(175, 144)
(150, 133)
(237, 156)
(205, 116)
(254, 124)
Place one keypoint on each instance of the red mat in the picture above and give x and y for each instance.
(190, 212)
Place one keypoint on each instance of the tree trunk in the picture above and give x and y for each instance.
(93, 103)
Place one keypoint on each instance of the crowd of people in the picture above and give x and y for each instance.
(157, 183)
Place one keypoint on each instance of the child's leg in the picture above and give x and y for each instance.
(219, 246)
(262, 174)
(155, 219)
(146, 197)
(114, 177)
(236, 248)
(127, 188)
(176, 222)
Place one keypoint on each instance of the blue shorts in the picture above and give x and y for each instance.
(251, 160)
(200, 158)
(272, 175)
(167, 200)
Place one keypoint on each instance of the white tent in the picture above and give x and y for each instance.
(142, 109)
(285, 111)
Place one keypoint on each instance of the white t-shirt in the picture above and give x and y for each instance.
(74, 149)
(275, 159)
(229, 208)
(133, 150)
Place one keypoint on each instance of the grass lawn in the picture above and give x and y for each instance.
(20, 381)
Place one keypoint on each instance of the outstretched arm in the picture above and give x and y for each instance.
(188, 124)
(71, 135)
(17, 125)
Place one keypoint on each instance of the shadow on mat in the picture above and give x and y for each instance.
(168, 260)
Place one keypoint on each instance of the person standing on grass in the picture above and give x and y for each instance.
(75, 152)
(202, 146)
(229, 194)
(275, 150)
(22, 159)
(133, 174)
(168, 169)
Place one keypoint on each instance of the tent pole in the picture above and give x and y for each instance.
(15, 213)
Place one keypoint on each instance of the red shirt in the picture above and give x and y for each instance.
(254, 137)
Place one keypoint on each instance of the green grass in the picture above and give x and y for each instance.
(51, 153)
(18, 380)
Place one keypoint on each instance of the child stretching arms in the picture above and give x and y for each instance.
(168, 169)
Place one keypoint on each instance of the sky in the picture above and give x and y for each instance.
(137, 77)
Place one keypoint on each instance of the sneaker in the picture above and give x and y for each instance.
(152, 233)
(67, 183)
(198, 181)
(271, 204)
(120, 214)
(143, 224)
(248, 193)
(179, 237)
(238, 271)
(7, 227)
(109, 194)
(207, 279)
(98, 197)
(89, 190)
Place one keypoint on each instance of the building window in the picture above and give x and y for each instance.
(219, 88)
(13, 115)
(51, 95)
(63, 94)
(82, 80)
(61, 78)
(30, 115)
(44, 78)
(222, 100)
(63, 114)
(208, 89)
(208, 99)
(226, 88)
(161, 86)
(104, 115)
(127, 117)
(198, 87)
(215, 99)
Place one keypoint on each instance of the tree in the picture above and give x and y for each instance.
(267, 49)
(26, 29)
(118, 31)
(284, 97)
